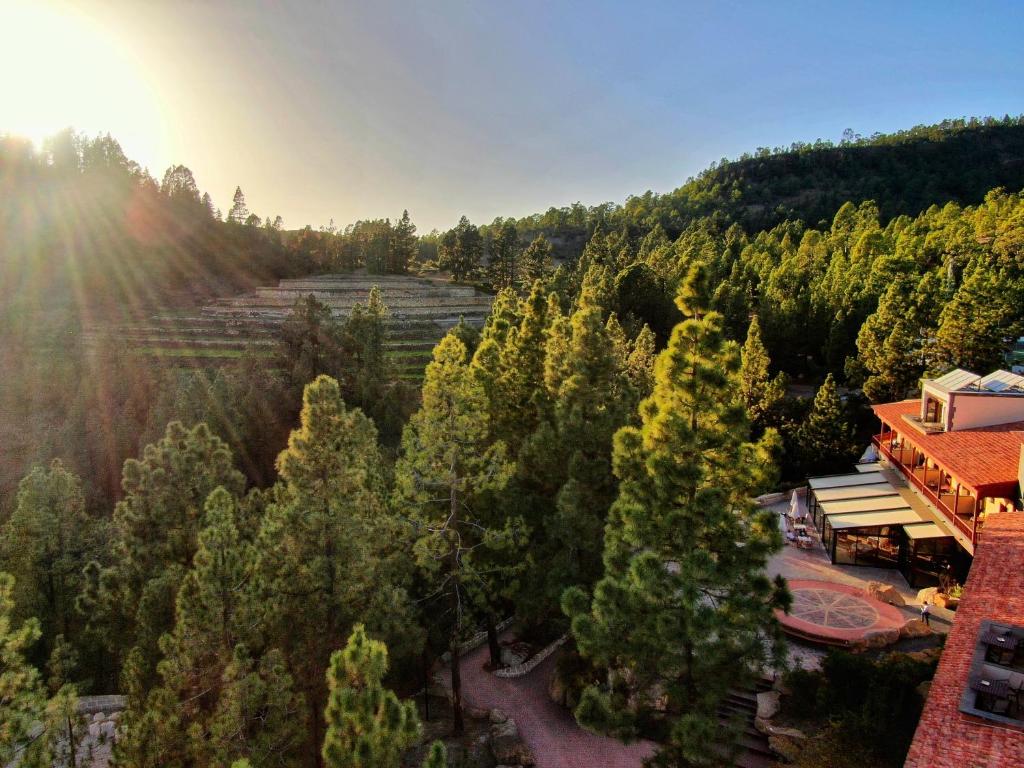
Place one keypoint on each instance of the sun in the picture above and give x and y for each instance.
(62, 69)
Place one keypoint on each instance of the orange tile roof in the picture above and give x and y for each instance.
(947, 737)
(984, 458)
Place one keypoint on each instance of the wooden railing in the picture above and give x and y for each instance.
(925, 490)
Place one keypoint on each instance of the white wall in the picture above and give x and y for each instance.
(969, 411)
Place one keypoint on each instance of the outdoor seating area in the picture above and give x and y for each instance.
(795, 524)
(862, 519)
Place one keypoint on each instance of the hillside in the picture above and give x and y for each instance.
(904, 173)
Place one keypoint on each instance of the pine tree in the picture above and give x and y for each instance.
(45, 546)
(438, 756)
(976, 325)
(447, 463)
(640, 363)
(536, 263)
(156, 532)
(504, 254)
(367, 726)
(760, 393)
(365, 340)
(239, 213)
(403, 250)
(22, 695)
(684, 610)
(329, 552)
(566, 462)
(826, 436)
(460, 250)
(214, 701)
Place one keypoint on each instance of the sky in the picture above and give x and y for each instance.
(348, 110)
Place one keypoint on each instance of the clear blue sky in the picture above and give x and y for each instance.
(351, 110)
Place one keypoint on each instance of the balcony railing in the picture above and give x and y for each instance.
(925, 490)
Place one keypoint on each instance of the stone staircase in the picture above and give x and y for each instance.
(742, 705)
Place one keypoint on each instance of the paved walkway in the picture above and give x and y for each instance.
(549, 730)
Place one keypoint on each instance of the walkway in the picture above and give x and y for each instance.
(548, 729)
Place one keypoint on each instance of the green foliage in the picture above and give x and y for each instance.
(214, 699)
(871, 707)
(826, 437)
(45, 546)
(367, 726)
(460, 250)
(684, 612)
(22, 696)
(156, 535)
(536, 263)
(448, 463)
(329, 553)
(504, 255)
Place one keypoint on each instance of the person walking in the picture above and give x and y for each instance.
(926, 614)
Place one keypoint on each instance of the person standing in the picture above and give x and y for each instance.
(926, 614)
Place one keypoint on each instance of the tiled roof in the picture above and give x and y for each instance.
(985, 458)
(947, 737)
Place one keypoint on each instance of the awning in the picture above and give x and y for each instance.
(874, 519)
(925, 531)
(854, 492)
(877, 504)
(838, 481)
(870, 466)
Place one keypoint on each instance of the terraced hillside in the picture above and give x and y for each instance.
(421, 310)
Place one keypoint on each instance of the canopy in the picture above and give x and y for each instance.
(877, 504)
(854, 492)
(838, 481)
(869, 466)
(924, 531)
(874, 519)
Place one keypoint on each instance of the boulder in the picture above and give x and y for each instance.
(476, 713)
(509, 657)
(947, 602)
(885, 593)
(782, 686)
(927, 595)
(923, 689)
(498, 716)
(878, 639)
(915, 628)
(768, 704)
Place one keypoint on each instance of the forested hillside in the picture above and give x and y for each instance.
(207, 538)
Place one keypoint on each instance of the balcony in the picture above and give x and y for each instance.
(933, 484)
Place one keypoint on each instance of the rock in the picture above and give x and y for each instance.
(94, 730)
(768, 704)
(885, 593)
(509, 658)
(915, 628)
(927, 595)
(99, 717)
(785, 747)
(507, 747)
(782, 686)
(498, 716)
(947, 602)
(923, 689)
(881, 638)
(476, 713)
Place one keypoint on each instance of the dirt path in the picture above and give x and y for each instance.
(549, 730)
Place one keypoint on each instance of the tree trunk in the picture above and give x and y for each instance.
(459, 723)
(426, 686)
(492, 641)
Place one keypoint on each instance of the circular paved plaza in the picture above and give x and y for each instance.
(835, 613)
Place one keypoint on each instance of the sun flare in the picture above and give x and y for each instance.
(61, 69)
